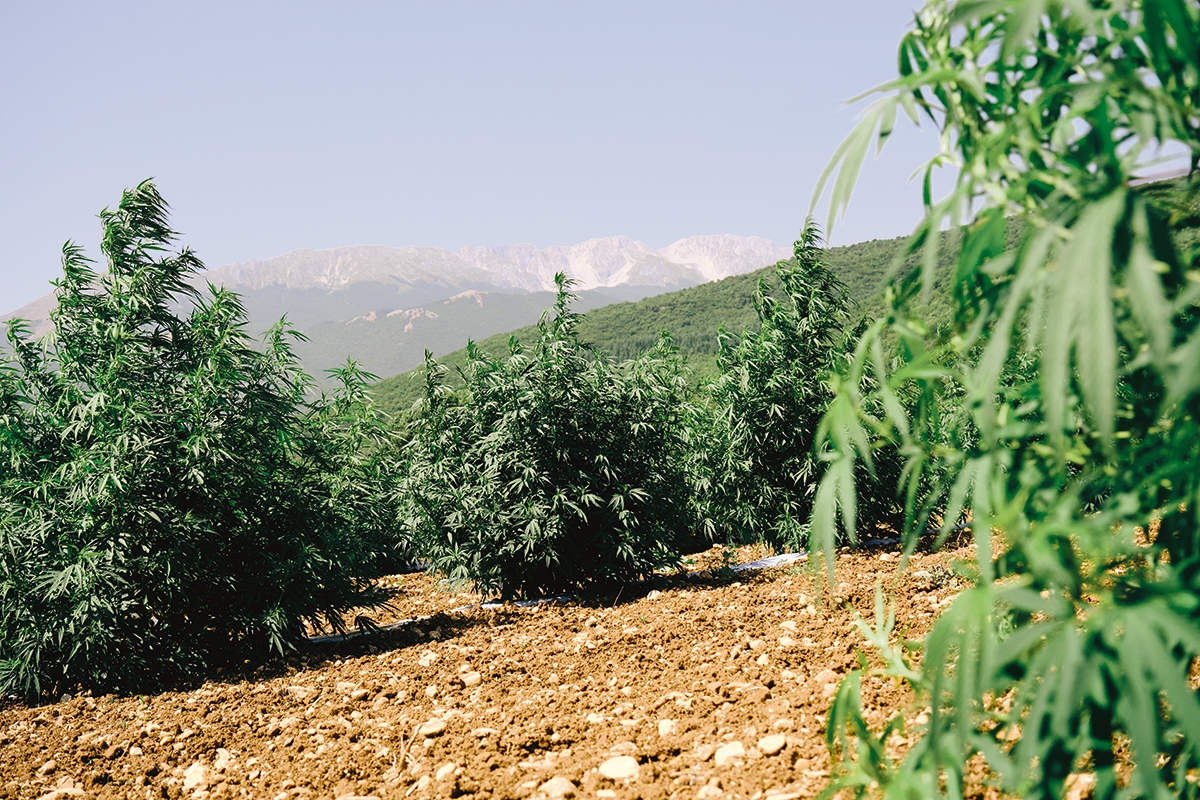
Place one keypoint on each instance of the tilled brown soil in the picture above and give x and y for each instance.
(707, 687)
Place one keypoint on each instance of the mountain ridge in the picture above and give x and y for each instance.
(384, 306)
(602, 262)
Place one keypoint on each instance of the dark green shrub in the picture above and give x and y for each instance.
(169, 500)
(768, 403)
(1062, 408)
(551, 469)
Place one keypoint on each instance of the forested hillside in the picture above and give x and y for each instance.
(693, 316)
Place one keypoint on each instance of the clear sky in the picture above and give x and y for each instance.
(276, 126)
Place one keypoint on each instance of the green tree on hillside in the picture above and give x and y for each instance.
(1062, 408)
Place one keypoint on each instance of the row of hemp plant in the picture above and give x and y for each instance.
(176, 497)
(1069, 394)
(554, 469)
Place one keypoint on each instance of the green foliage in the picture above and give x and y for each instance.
(694, 316)
(769, 400)
(169, 501)
(1061, 409)
(551, 469)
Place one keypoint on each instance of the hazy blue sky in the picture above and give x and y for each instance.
(276, 126)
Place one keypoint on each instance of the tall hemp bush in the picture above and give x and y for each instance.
(551, 469)
(169, 500)
(769, 400)
(1076, 360)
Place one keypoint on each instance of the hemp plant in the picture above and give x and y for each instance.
(769, 400)
(552, 468)
(170, 499)
(1061, 410)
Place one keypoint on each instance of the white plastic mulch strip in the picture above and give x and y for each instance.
(773, 561)
(762, 563)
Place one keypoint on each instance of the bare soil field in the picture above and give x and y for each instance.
(711, 685)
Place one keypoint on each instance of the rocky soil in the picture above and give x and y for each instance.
(710, 686)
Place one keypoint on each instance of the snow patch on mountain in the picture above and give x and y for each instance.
(597, 263)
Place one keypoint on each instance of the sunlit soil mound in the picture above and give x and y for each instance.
(715, 685)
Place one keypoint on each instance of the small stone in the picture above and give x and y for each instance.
(431, 690)
(825, 676)
(434, 727)
(727, 753)
(471, 679)
(710, 790)
(135, 751)
(783, 725)
(223, 761)
(762, 660)
(48, 768)
(195, 777)
(557, 787)
(705, 751)
(619, 768)
(423, 783)
(666, 727)
(114, 752)
(360, 694)
(445, 772)
(788, 625)
(787, 675)
(654, 594)
(595, 719)
(787, 641)
(757, 644)
(773, 744)
(301, 693)
(606, 794)
(346, 687)
(483, 733)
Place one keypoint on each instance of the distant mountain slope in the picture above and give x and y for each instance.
(597, 263)
(692, 315)
(384, 306)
